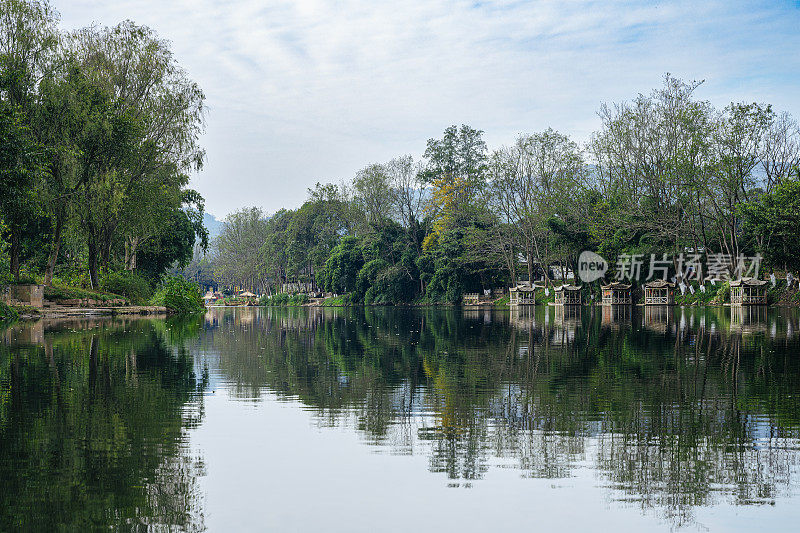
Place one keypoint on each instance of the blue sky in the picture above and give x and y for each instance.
(305, 91)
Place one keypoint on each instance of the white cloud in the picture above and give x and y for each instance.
(307, 90)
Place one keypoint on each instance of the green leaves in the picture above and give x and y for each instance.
(179, 295)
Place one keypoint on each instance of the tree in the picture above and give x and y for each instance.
(533, 181)
(408, 194)
(238, 257)
(781, 150)
(738, 141)
(373, 194)
(28, 37)
(152, 116)
(652, 159)
(456, 171)
(774, 219)
(342, 267)
(20, 170)
(315, 229)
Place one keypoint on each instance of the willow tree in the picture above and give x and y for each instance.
(147, 133)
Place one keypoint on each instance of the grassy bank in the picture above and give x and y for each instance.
(284, 300)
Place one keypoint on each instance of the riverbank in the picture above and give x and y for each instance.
(32, 313)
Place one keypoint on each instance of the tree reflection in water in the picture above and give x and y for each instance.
(93, 419)
(672, 408)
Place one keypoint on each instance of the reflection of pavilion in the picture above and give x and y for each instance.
(567, 318)
(657, 317)
(616, 315)
(478, 313)
(522, 317)
(567, 315)
(748, 319)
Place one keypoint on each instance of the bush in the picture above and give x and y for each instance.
(128, 284)
(299, 299)
(58, 292)
(7, 314)
(24, 279)
(179, 295)
(283, 299)
(72, 278)
(337, 301)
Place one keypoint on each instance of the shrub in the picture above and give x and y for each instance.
(72, 278)
(58, 292)
(128, 284)
(299, 299)
(24, 279)
(179, 295)
(7, 314)
(337, 301)
(283, 299)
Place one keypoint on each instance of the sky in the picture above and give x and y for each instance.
(308, 91)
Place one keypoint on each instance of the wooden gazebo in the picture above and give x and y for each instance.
(617, 293)
(522, 295)
(748, 291)
(659, 292)
(568, 295)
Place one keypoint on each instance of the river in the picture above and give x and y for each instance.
(384, 419)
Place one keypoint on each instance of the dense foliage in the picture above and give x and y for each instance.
(179, 295)
(7, 314)
(129, 284)
(99, 130)
(665, 174)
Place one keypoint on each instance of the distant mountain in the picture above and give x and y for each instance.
(213, 225)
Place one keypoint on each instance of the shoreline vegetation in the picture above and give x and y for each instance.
(668, 178)
(99, 131)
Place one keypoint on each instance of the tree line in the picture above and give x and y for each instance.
(666, 172)
(99, 131)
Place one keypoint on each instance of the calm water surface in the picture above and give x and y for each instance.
(389, 419)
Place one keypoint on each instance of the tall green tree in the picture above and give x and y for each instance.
(28, 38)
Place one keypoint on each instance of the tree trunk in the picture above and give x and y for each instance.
(93, 260)
(14, 253)
(530, 268)
(131, 249)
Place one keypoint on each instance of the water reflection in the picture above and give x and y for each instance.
(673, 408)
(670, 409)
(93, 420)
